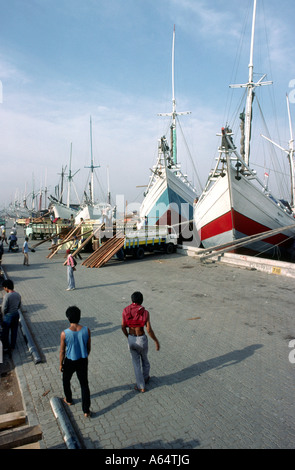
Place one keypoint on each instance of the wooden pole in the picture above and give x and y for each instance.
(242, 242)
(85, 242)
(70, 239)
(48, 239)
(71, 233)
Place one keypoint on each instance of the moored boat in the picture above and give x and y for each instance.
(235, 203)
(60, 209)
(169, 197)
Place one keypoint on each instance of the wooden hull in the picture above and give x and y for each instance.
(236, 208)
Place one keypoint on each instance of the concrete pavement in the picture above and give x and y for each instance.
(221, 380)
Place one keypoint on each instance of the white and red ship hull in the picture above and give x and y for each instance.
(234, 208)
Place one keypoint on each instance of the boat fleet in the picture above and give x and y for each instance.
(234, 205)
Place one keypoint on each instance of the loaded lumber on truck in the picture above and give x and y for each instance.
(105, 252)
(134, 243)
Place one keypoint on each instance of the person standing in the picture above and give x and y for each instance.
(75, 246)
(3, 234)
(10, 315)
(12, 241)
(135, 317)
(75, 347)
(26, 249)
(1, 250)
(70, 270)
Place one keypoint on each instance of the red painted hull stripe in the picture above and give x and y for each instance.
(242, 224)
(217, 226)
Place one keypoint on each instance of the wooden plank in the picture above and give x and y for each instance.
(113, 249)
(234, 244)
(62, 232)
(20, 436)
(97, 253)
(67, 240)
(105, 252)
(9, 420)
(110, 254)
(70, 234)
(85, 242)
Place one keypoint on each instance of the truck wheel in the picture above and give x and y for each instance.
(169, 248)
(139, 253)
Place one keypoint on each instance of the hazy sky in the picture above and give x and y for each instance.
(62, 61)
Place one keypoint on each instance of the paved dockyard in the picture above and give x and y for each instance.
(222, 378)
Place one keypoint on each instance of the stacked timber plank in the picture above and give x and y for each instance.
(105, 252)
(15, 433)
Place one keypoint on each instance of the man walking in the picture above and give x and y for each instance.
(26, 249)
(10, 315)
(75, 346)
(134, 318)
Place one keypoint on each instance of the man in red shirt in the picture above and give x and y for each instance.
(135, 317)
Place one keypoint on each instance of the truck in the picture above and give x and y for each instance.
(44, 230)
(149, 239)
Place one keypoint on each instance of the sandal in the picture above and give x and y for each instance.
(142, 390)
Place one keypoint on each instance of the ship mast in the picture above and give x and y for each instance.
(250, 91)
(70, 178)
(290, 152)
(291, 157)
(92, 167)
(173, 125)
(174, 114)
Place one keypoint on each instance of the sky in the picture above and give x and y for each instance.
(63, 62)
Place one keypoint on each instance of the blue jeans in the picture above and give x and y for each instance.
(71, 280)
(10, 324)
(138, 346)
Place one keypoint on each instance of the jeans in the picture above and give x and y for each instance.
(81, 368)
(10, 323)
(138, 346)
(71, 280)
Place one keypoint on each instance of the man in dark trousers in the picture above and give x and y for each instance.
(10, 315)
(75, 346)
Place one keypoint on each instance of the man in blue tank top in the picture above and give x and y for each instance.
(75, 345)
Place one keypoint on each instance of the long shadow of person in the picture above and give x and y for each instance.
(219, 362)
(226, 360)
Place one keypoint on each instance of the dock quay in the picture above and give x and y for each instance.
(225, 374)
